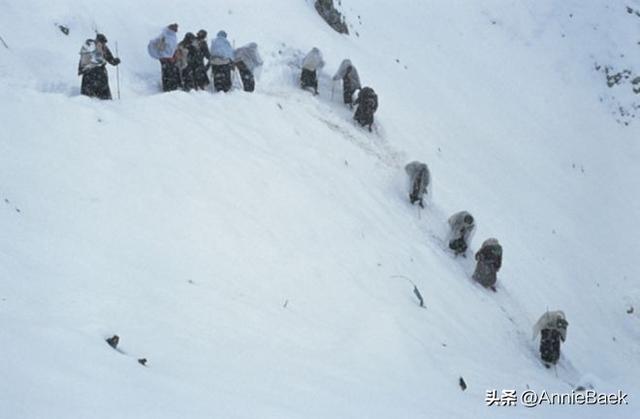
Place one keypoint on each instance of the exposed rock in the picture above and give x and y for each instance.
(64, 29)
(463, 385)
(113, 341)
(333, 17)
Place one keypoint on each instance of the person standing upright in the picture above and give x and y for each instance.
(163, 48)
(221, 62)
(94, 56)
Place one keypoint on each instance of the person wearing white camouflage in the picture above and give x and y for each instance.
(310, 65)
(94, 56)
(419, 181)
(350, 81)
(163, 48)
(462, 227)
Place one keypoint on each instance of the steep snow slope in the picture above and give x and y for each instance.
(255, 247)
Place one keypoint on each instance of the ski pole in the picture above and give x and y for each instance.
(213, 84)
(118, 72)
(238, 78)
(333, 85)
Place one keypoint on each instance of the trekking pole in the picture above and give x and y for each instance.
(234, 76)
(207, 69)
(117, 72)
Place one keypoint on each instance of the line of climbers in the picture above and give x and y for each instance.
(182, 65)
(552, 326)
(185, 65)
(366, 97)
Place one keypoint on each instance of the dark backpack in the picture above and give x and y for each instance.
(493, 255)
(367, 104)
(368, 100)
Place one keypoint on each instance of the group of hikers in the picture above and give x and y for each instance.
(185, 65)
(366, 98)
(552, 326)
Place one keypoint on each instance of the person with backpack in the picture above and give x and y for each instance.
(489, 259)
(163, 48)
(310, 65)
(462, 227)
(94, 56)
(350, 81)
(221, 62)
(419, 177)
(367, 102)
(552, 326)
(187, 61)
(246, 60)
(202, 54)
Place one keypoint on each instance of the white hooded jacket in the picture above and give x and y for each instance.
(313, 60)
(249, 55)
(460, 228)
(553, 320)
(354, 78)
(221, 50)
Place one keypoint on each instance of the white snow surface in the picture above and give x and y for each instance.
(255, 248)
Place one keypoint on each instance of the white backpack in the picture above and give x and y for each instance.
(90, 56)
(156, 46)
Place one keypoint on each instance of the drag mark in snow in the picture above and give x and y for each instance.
(384, 152)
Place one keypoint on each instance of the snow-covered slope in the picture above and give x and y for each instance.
(255, 248)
